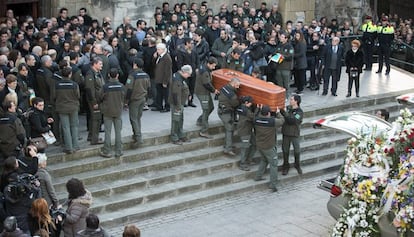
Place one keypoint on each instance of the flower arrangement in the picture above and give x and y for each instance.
(378, 179)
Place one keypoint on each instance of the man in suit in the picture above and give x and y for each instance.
(332, 60)
(162, 77)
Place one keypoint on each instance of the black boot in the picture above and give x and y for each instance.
(348, 95)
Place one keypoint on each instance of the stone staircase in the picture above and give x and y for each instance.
(161, 177)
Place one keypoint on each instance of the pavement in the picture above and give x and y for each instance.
(297, 209)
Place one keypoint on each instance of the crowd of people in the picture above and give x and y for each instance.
(51, 69)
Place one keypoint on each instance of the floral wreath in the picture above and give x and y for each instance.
(377, 179)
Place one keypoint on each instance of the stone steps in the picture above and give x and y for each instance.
(135, 163)
(139, 212)
(160, 177)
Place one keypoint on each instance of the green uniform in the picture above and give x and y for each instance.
(66, 95)
(245, 131)
(235, 64)
(291, 134)
(93, 88)
(113, 97)
(265, 128)
(178, 95)
(137, 86)
(228, 102)
(283, 69)
(203, 90)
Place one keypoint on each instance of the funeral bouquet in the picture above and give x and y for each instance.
(377, 180)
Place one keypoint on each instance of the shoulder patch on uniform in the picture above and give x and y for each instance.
(291, 51)
(128, 81)
(297, 116)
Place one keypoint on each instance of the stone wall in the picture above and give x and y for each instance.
(352, 10)
(297, 10)
(304, 10)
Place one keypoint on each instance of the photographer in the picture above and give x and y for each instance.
(19, 192)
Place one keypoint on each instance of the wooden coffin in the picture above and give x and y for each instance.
(261, 91)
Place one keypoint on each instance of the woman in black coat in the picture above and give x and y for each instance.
(354, 60)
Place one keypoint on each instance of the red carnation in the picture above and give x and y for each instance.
(407, 149)
(392, 150)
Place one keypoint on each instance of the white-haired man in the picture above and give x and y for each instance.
(178, 96)
(162, 77)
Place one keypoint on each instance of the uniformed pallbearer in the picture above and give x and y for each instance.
(228, 102)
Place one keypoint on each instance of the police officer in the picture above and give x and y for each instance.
(112, 101)
(293, 117)
(13, 135)
(235, 62)
(203, 90)
(178, 95)
(245, 131)
(67, 95)
(369, 33)
(93, 88)
(265, 128)
(137, 86)
(228, 102)
(385, 37)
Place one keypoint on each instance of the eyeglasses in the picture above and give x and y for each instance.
(179, 29)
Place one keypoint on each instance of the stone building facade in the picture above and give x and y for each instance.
(304, 10)
(294, 10)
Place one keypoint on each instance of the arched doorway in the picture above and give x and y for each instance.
(21, 7)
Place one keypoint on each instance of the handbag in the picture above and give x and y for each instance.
(49, 137)
(39, 142)
(353, 73)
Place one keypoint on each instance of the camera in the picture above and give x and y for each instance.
(24, 185)
(54, 213)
